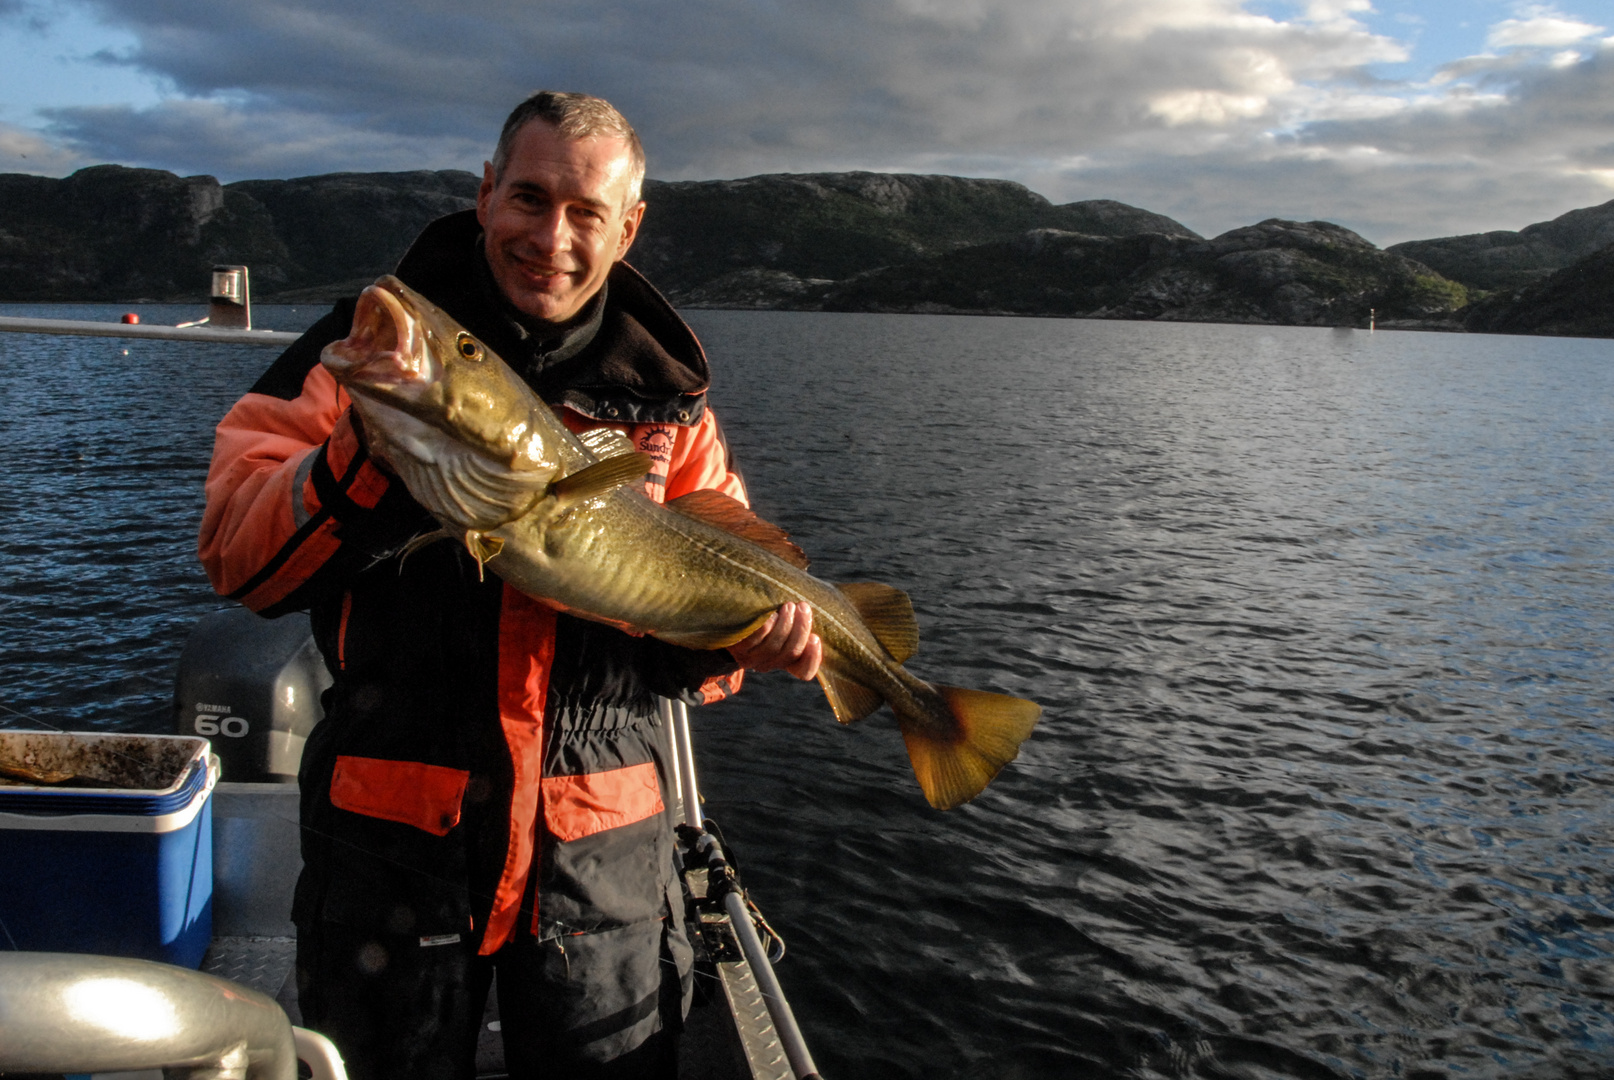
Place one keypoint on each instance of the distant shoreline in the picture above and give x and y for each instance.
(868, 242)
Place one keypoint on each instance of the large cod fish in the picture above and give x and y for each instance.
(562, 518)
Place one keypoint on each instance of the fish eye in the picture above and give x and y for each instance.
(468, 347)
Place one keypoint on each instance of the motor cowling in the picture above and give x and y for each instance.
(252, 686)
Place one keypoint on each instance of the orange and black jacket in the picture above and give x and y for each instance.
(486, 767)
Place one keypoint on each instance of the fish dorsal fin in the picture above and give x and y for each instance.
(851, 701)
(731, 515)
(604, 442)
(602, 477)
(888, 613)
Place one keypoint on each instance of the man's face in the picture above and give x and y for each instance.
(555, 222)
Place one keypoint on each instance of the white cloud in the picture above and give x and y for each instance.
(1206, 107)
(24, 151)
(1541, 27)
(1339, 14)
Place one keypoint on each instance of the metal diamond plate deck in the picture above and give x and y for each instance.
(259, 962)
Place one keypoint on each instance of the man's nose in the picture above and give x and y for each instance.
(552, 233)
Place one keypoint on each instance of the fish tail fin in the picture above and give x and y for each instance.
(957, 755)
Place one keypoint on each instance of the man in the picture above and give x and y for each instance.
(486, 791)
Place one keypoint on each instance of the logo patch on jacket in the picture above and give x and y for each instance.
(657, 442)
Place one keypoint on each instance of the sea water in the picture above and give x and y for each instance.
(1319, 620)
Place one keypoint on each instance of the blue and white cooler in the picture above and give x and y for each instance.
(107, 844)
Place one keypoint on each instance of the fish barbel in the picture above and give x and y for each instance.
(561, 518)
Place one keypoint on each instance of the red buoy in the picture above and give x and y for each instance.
(131, 318)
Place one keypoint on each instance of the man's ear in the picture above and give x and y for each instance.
(630, 229)
(484, 194)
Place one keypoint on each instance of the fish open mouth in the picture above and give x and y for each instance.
(385, 351)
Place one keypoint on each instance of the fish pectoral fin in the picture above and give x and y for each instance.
(604, 442)
(851, 701)
(714, 639)
(888, 613)
(482, 548)
(955, 762)
(733, 516)
(601, 478)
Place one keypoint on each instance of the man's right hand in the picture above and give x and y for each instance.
(785, 642)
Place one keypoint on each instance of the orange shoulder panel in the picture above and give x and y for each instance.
(258, 449)
(700, 460)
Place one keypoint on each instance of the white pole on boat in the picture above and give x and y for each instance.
(676, 713)
(664, 709)
(745, 931)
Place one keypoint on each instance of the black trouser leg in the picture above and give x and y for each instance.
(600, 1006)
(397, 1010)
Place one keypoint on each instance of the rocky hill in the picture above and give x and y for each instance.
(347, 229)
(872, 242)
(1510, 260)
(818, 241)
(761, 240)
(110, 233)
(1295, 273)
(114, 233)
(1576, 301)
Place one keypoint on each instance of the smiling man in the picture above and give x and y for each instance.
(486, 791)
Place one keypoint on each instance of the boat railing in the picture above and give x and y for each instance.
(74, 1014)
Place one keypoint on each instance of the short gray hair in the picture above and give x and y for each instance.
(574, 116)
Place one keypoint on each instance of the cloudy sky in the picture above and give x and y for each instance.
(1401, 119)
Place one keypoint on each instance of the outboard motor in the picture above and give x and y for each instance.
(252, 686)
